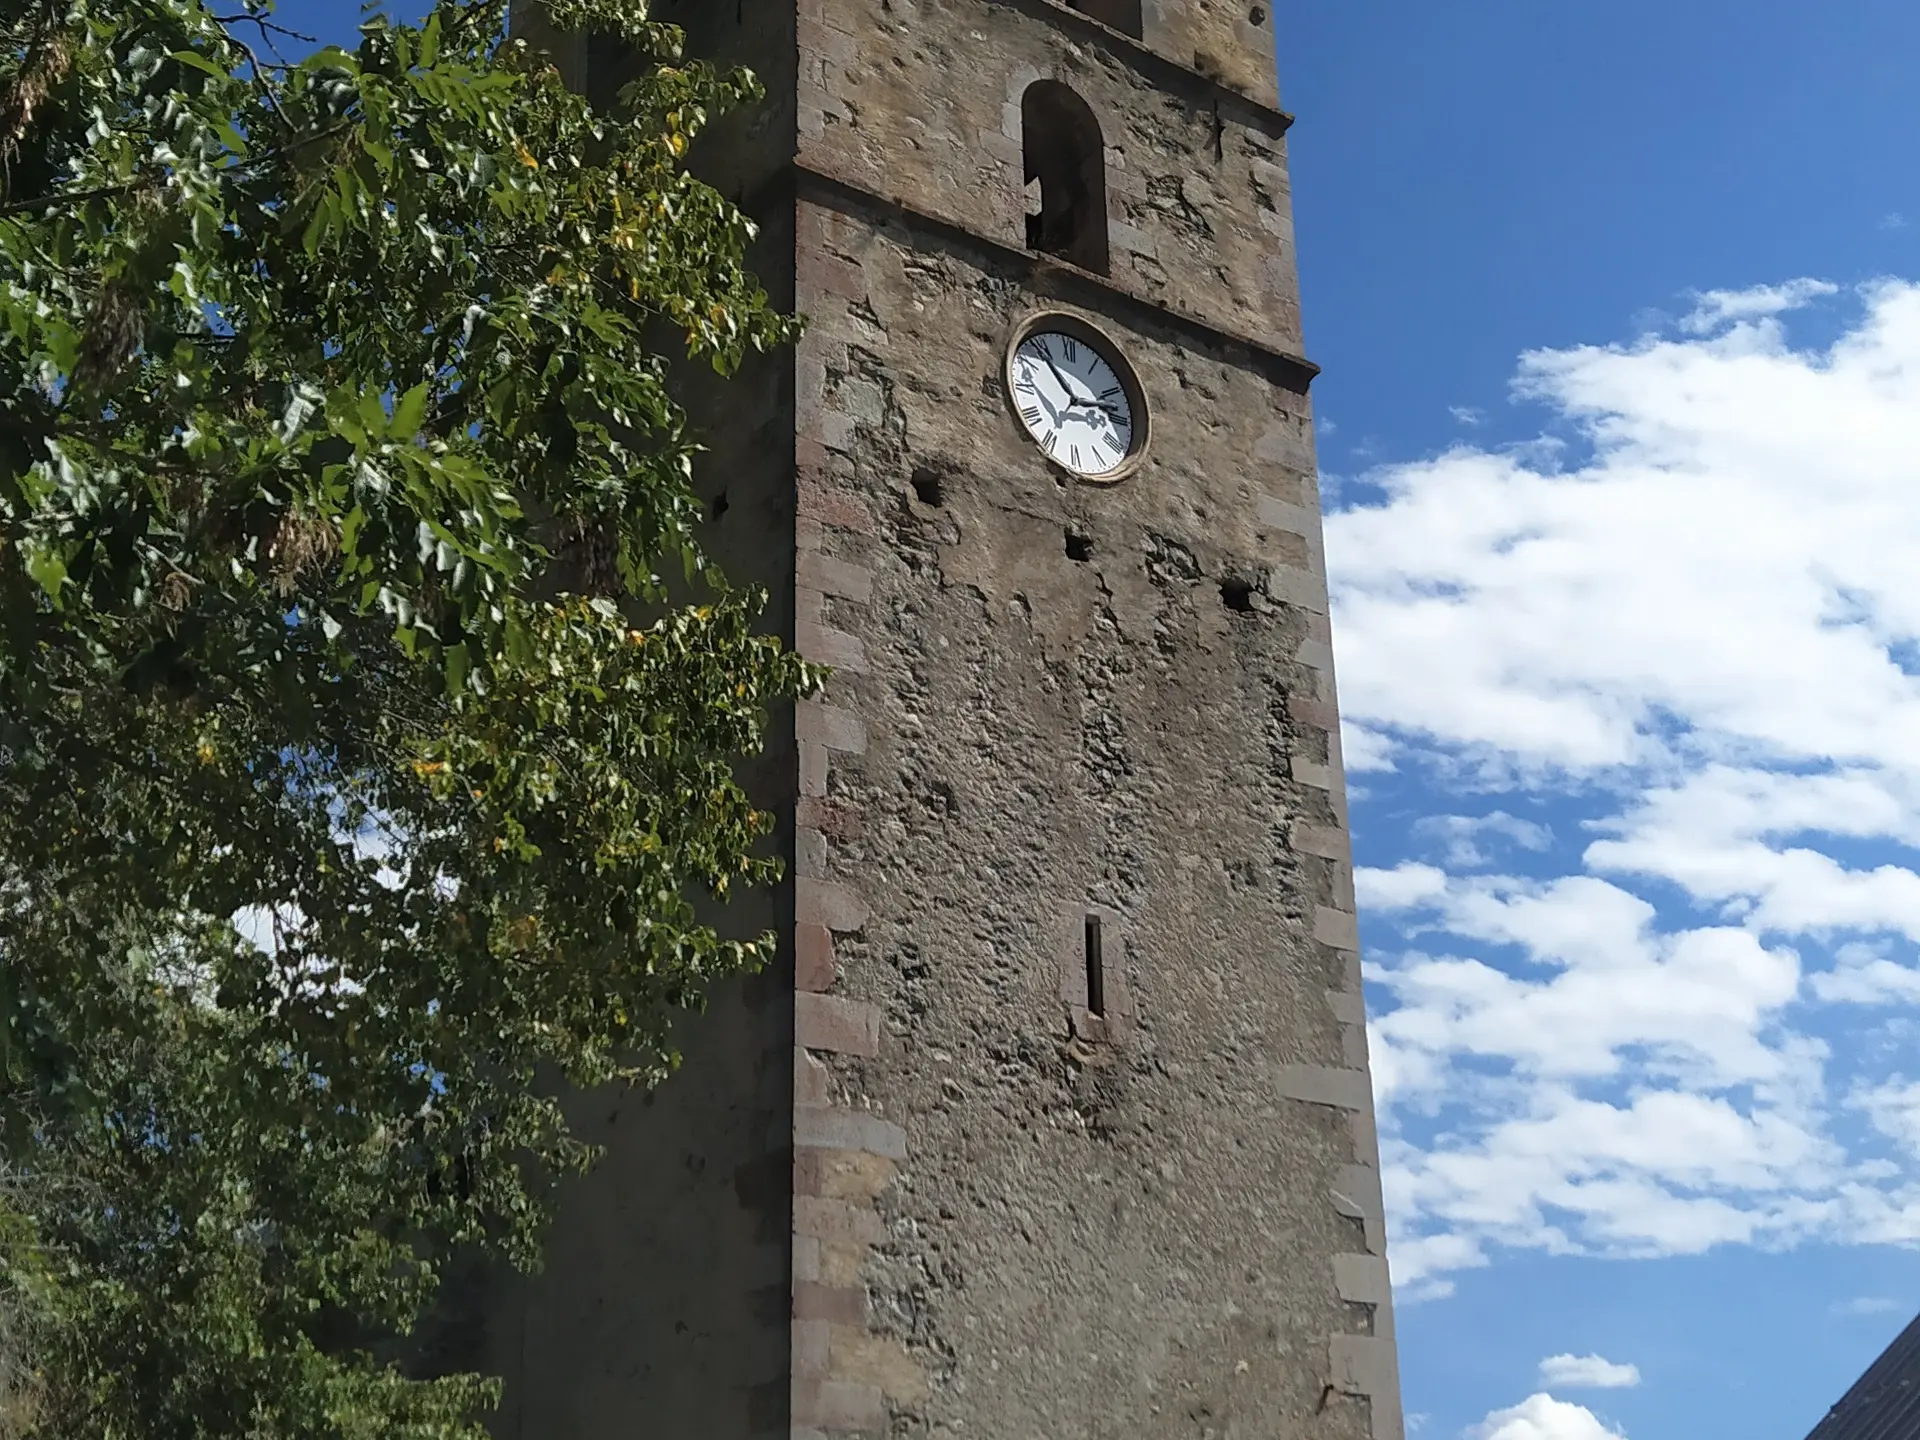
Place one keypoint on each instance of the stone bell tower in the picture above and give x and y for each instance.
(1054, 1123)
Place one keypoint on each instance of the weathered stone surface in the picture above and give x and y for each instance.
(919, 1198)
(1137, 1242)
(904, 99)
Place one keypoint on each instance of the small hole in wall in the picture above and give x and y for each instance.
(928, 490)
(1079, 547)
(1257, 15)
(1096, 969)
(719, 506)
(1237, 594)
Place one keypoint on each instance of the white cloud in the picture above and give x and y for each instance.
(1420, 1262)
(1467, 839)
(1467, 414)
(1682, 625)
(1862, 977)
(1365, 749)
(1893, 1106)
(1587, 1372)
(1541, 1417)
(1716, 308)
(1401, 888)
(1862, 1305)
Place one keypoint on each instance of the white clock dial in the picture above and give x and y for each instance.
(1072, 402)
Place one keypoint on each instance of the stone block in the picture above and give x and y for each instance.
(836, 1221)
(831, 726)
(836, 577)
(1338, 928)
(834, 1129)
(826, 646)
(1325, 1085)
(844, 1027)
(830, 1303)
(838, 1408)
(828, 903)
(813, 966)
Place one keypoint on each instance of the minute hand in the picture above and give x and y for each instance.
(1074, 402)
(1073, 399)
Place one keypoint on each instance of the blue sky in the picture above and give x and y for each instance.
(1620, 424)
(1620, 427)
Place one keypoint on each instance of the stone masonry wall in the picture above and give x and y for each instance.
(918, 101)
(1052, 699)
(662, 1311)
(915, 1192)
(1003, 1229)
(1229, 40)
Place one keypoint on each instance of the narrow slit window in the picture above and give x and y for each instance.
(1066, 160)
(1122, 15)
(1096, 970)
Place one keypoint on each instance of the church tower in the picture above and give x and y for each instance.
(1054, 1123)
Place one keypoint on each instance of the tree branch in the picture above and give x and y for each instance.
(65, 197)
(75, 197)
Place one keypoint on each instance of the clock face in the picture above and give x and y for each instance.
(1073, 402)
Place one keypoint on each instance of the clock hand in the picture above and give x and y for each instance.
(1065, 384)
(1074, 401)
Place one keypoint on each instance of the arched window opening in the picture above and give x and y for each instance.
(1122, 15)
(1067, 160)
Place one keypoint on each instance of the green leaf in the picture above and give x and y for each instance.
(50, 569)
(410, 412)
(205, 64)
(331, 819)
(459, 662)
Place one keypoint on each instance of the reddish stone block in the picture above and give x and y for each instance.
(814, 970)
(833, 818)
(843, 1027)
(813, 1301)
(831, 505)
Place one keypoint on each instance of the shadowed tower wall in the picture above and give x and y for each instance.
(1054, 1120)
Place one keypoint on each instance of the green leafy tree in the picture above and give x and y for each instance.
(358, 765)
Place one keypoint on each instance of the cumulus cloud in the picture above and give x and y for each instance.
(1469, 841)
(1541, 1417)
(1365, 749)
(1716, 308)
(1587, 1372)
(1680, 633)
